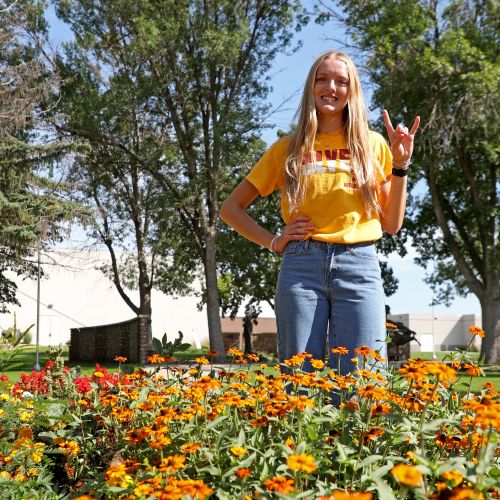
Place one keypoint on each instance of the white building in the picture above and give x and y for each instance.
(75, 293)
(439, 333)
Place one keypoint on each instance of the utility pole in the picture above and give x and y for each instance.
(43, 230)
(37, 362)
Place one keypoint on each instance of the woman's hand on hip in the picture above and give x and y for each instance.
(298, 228)
(401, 139)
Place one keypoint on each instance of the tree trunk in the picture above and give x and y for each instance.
(213, 303)
(490, 311)
(144, 344)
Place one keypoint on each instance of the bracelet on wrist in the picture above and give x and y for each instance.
(273, 241)
(400, 172)
(401, 166)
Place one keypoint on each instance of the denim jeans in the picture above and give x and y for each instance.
(329, 290)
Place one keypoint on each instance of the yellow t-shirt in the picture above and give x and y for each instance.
(333, 199)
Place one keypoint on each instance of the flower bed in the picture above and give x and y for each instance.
(235, 433)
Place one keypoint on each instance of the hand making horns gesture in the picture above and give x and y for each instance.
(401, 140)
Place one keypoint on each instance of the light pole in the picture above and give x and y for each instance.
(432, 304)
(43, 229)
(37, 356)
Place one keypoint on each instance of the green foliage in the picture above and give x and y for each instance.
(165, 347)
(32, 207)
(11, 344)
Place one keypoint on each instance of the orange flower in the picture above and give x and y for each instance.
(373, 433)
(340, 350)
(380, 409)
(371, 391)
(202, 360)
(172, 463)
(476, 330)
(242, 472)
(253, 357)
(235, 352)
(194, 488)
(363, 350)
(136, 436)
(297, 359)
(407, 475)
(238, 451)
(414, 370)
(301, 461)
(463, 493)
(120, 359)
(351, 495)
(190, 447)
(473, 370)
(444, 373)
(155, 359)
(280, 484)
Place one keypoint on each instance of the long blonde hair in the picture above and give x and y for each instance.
(356, 132)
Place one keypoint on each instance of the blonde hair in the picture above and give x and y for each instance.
(356, 132)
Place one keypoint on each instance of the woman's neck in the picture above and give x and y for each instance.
(329, 126)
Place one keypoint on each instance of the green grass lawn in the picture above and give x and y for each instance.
(24, 361)
(427, 356)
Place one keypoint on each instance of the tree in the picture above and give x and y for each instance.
(203, 66)
(114, 115)
(443, 65)
(32, 211)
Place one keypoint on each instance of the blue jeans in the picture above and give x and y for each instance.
(329, 290)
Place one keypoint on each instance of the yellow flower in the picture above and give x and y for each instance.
(317, 364)
(116, 475)
(407, 475)
(98, 374)
(453, 476)
(37, 453)
(238, 451)
(4, 397)
(26, 416)
(301, 461)
(202, 360)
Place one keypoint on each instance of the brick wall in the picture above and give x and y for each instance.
(105, 342)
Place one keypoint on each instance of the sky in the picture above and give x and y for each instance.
(287, 78)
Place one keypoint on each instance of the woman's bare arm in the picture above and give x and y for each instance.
(233, 213)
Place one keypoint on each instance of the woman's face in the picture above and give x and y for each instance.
(331, 88)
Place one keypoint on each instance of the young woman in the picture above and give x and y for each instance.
(340, 186)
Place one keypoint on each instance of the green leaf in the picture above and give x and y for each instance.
(384, 490)
(157, 345)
